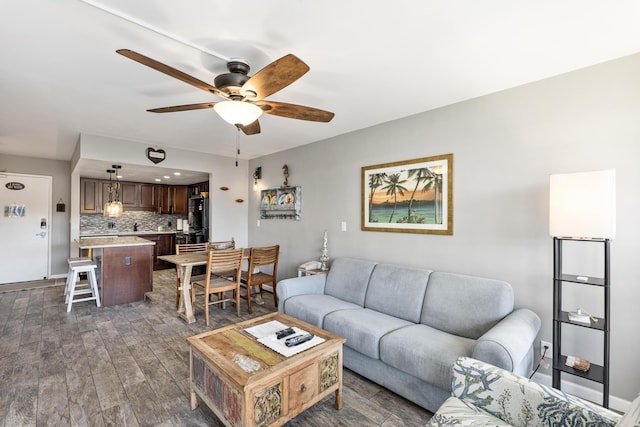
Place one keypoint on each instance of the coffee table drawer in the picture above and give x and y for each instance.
(303, 386)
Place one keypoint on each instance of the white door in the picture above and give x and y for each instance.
(25, 220)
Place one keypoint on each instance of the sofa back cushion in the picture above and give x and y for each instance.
(397, 291)
(348, 279)
(466, 306)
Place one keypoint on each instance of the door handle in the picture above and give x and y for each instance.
(42, 234)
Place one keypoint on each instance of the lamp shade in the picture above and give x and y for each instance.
(238, 112)
(583, 205)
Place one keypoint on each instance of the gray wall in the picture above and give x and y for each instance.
(505, 146)
(61, 173)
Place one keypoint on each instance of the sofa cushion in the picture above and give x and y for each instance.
(313, 308)
(348, 279)
(424, 352)
(520, 401)
(467, 306)
(363, 328)
(397, 291)
(455, 412)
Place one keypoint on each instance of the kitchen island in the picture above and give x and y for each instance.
(125, 267)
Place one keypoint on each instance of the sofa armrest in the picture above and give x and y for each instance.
(509, 341)
(287, 288)
(521, 402)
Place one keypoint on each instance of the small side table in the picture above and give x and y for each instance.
(303, 272)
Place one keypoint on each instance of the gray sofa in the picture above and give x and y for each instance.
(405, 327)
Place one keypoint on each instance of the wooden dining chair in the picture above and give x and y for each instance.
(261, 257)
(213, 283)
(184, 248)
(225, 244)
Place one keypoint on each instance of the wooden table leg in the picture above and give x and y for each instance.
(338, 402)
(194, 400)
(185, 309)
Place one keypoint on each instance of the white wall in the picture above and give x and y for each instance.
(228, 218)
(59, 171)
(505, 146)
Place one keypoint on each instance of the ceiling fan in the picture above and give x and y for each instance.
(244, 95)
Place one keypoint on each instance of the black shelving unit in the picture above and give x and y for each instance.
(597, 373)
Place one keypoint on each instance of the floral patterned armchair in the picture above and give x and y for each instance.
(484, 395)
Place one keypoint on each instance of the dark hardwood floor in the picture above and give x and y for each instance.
(128, 366)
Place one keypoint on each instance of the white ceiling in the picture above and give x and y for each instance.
(371, 61)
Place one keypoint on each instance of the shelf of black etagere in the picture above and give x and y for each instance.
(600, 325)
(596, 373)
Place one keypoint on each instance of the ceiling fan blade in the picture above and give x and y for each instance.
(182, 107)
(293, 111)
(251, 128)
(170, 71)
(275, 76)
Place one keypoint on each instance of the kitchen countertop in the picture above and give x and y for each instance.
(128, 233)
(111, 242)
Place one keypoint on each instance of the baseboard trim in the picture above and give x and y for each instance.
(615, 403)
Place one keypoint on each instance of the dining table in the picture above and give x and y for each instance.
(185, 263)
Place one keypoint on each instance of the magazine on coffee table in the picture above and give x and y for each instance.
(266, 335)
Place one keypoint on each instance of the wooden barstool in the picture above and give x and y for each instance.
(75, 287)
(71, 261)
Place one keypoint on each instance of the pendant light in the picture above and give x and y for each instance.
(113, 207)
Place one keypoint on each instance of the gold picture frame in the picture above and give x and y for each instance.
(411, 196)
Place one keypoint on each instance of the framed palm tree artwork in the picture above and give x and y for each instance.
(411, 196)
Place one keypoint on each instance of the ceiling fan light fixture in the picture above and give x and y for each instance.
(238, 112)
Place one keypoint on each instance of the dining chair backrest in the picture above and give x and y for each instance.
(254, 276)
(183, 248)
(226, 244)
(264, 256)
(224, 261)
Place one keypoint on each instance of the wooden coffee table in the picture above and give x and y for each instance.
(245, 383)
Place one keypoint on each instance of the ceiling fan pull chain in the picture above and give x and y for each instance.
(237, 144)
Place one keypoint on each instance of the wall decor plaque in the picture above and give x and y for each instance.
(156, 156)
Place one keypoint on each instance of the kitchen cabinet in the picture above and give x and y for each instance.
(163, 199)
(90, 196)
(128, 193)
(136, 196)
(147, 199)
(196, 189)
(133, 195)
(180, 199)
(172, 199)
(165, 244)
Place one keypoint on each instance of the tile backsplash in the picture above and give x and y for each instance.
(147, 221)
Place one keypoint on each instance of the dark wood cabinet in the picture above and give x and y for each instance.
(90, 196)
(165, 244)
(201, 187)
(147, 199)
(180, 199)
(129, 195)
(172, 199)
(163, 199)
